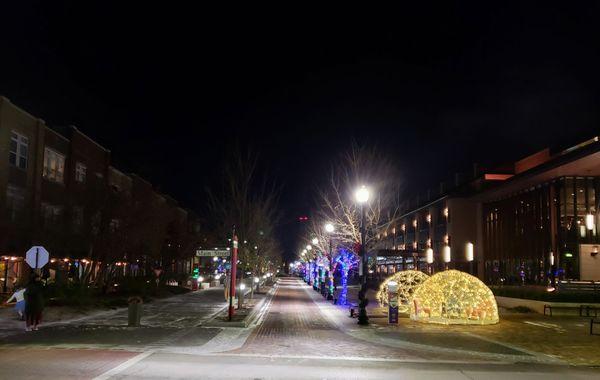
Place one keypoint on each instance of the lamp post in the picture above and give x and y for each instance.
(329, 229)
(362, 197)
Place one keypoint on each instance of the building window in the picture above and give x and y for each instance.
(15, 201)
(80, 171)
(54, 165)
(77, 218)
(51, 213)
(114, 225)
(19, 146)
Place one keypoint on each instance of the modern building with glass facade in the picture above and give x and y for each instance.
(517, 224)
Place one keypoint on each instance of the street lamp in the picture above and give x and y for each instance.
(308, 247)
(315, 241)
(329, 229)
(362, 197)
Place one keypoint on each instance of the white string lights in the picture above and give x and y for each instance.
(408, 281)
(454, 297)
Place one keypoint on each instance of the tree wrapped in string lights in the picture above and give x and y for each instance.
(408, 282)
(454, 297)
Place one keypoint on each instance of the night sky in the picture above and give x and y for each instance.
(170, 89)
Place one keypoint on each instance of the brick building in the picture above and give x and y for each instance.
(58, 189)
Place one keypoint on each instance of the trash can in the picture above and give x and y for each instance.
(135, 311)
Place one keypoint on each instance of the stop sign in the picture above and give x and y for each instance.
(37, 257)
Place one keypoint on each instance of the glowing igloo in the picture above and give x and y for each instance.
(454, 297)
(408, 281)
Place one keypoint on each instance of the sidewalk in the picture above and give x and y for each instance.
(518, 337)
(104, 328)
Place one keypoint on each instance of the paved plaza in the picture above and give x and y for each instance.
(294, 334)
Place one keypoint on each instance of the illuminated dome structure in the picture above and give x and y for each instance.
(408, 281)
(454, 297)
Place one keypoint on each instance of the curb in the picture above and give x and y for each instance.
(257, 311)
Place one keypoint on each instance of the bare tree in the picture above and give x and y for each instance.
(250, 202)
(360, 166)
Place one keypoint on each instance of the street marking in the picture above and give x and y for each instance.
(357, 358)
(265, 307)
(546, 325)
(123, 366)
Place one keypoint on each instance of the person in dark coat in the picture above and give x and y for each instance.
(34, 303)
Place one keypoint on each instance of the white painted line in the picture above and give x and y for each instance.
(123, 366)
(358, 358)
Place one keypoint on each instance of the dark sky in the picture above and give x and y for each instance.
(438, 87)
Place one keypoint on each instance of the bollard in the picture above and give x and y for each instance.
(134, 311)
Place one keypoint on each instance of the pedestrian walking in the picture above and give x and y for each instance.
(34, 303)
(19, 297)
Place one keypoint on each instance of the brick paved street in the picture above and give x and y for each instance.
(298, 335)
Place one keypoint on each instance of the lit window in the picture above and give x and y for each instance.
(80, 172)
(15, 201)
(19, 146)
(54, 166)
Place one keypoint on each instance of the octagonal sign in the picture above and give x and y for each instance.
(37, 257)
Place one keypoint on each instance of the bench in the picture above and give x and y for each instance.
(593, 322)
(587, 308)
(579, 286)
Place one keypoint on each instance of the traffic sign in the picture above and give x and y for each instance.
(37, 257)
(212, 252)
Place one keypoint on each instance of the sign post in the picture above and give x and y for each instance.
(392, 302)
(37, 257)
(233, 272)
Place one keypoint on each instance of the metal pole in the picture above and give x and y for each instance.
(6, 276)
(330, 290)
(363, 319)
(233, 272)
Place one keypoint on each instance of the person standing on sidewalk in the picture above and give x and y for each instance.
(19, 297)
(226, 285)
(34, 303)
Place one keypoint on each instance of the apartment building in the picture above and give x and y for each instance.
(58, 189)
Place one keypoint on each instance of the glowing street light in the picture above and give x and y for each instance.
(308, 247)
(329, 228)
(315, 241)
(362, 194)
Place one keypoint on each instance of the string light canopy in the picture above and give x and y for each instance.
(454, 297)
(408, 281)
